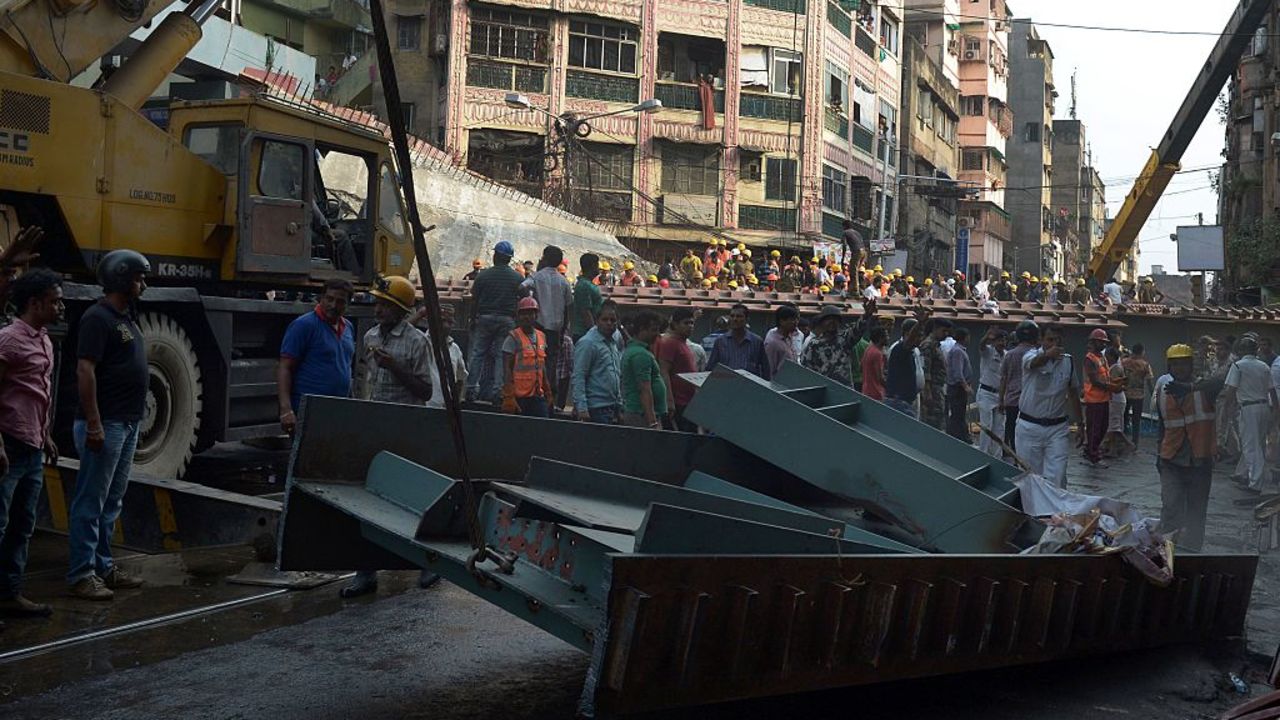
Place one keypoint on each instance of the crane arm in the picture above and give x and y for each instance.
(59, 39)
(1165, 159)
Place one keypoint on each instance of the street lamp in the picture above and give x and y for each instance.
(521, 101)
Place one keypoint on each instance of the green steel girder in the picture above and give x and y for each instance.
(942, 492)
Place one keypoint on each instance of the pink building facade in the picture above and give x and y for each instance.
(802, 91)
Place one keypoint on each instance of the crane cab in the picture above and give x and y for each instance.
(308, 198)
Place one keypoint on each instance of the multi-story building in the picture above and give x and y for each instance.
(1036, 247)
(1067, 197)
(328, 30)
(1249, 185)
(773, 125)
(930, 155)
(1093, 216)
(980, 40)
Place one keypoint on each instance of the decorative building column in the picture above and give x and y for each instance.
(455, 132)
(810, 180)
(645, 180)
(732, 96)
(555, 190)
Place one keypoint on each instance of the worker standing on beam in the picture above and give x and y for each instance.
(1249, 387)
(1187, 445)
(1049, 388)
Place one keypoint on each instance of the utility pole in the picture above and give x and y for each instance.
(884, 178)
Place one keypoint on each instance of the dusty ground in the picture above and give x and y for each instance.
(441, 654)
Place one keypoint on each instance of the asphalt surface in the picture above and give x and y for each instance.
(442, 654)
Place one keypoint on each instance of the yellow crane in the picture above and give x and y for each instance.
(1165, 160)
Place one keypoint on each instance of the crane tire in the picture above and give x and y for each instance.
(171, 422)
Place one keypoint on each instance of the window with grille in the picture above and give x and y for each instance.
(924, 106)
(509, 34)
(835, 189)
(602, 166)
(972, 159)
(972, 105)
(691, 169)
(889, 33)
(408, 32)
(780, 179)
(602, 46)
(837, 88)
(1032, 132)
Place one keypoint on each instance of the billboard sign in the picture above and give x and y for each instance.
(1200, 247)
(962, 249)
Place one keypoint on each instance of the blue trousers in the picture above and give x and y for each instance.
(19, 493)
(100, 487)
(484, 381)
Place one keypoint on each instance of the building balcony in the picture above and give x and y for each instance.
(791, 6)
(837, 123)
(598, 86)
(866, 43)
(507, 76)
(685, 96)
(864, 139)
(839, 19)
(334, 13)
(766, 217)
(771, 107)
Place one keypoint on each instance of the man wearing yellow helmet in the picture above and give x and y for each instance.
(690, 265)
(1080, 293)
(1148, 293)
(1004, 289)
(1187, 445)
(630, 278)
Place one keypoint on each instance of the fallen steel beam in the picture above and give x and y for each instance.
(946, 494)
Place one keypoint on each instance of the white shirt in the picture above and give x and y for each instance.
(947, 343)
(989, 370)
(1044, 389)
(870, 293)
(459, 372)
(1161, 381)
(1114, 292)
(1252, 379)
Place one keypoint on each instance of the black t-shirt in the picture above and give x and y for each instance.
(901, 383)
(497, 290)
(114, 342)
(853, 239)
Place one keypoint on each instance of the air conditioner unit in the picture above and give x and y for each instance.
(440, 44)
(972, 55)
(751, 170)
(964, 221)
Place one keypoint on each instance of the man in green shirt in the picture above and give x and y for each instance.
(586, 296)
(644, 394)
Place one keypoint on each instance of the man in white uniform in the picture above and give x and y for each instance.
(1049, 385)
(990, 416)
(1249, 386)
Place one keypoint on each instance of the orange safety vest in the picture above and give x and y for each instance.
(1190, 419)
(1095, 393)
(529, 373)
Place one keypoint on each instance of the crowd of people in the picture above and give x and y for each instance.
(737, 269)
(542, 346)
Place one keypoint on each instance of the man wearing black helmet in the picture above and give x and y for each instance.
(111, 375)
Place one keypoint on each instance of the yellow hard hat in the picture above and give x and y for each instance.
(628, 265)
(795, 258)
(813, 259)
(742, 246)
(928, 281)
(897, 271)
(697, 274)
(747, 253)
(835, 268)
(911, 278)
(775, 253)
(604, 265)
(1033, 278)
(733, 284)
(1004, 274)
(752, 280)
(1080, 281)
(653, 278)
(1180, 351)
(1148, 279)
(706, 283)
(824, 289)
(1026, 274)
(396, 290)
(879, 269)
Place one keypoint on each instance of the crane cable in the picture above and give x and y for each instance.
(439, 344)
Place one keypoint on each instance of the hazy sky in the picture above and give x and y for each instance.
(1128, 86)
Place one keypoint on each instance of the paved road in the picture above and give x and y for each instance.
(441, 654)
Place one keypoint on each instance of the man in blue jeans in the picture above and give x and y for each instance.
(111, 374)
(495, 291)
(26, 374)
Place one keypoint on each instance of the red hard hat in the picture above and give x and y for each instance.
(527, 303)
(1099, 334)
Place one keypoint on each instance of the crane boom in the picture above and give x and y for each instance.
(59, 39)
(1166, 158)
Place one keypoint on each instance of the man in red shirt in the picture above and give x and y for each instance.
(26, 372)
(873, 364)
(675, 358)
